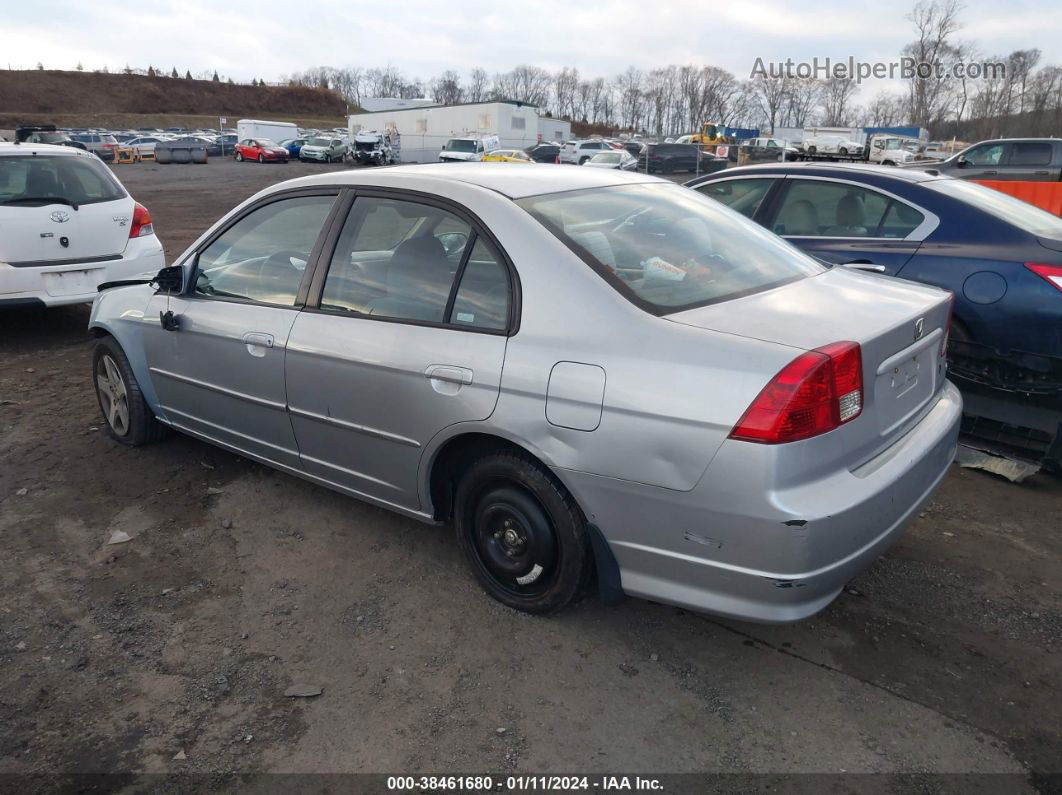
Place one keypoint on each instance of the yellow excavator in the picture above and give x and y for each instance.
(711, 135)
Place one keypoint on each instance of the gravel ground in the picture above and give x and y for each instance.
(172, 652)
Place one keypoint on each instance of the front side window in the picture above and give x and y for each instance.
(263, 256)
(813, 208)
(35, 180)
(396, 259)
(989, 155)
(667, 248)
(743, 195)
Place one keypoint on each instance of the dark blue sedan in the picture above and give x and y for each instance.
(1001, 257)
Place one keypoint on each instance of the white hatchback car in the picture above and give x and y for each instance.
(66, 226)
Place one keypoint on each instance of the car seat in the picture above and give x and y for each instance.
(418, 281)
(851, 218)
(798, 218)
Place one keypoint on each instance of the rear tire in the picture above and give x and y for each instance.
(126, 414)
(521, 532)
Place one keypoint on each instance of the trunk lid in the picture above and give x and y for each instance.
(33, 235)
(899, 326)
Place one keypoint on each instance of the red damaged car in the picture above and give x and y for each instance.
(261, 149)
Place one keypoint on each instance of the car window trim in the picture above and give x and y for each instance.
(315, 253)
(917, 235)
(477, 227)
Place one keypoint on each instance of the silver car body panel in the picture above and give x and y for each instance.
(631, 411)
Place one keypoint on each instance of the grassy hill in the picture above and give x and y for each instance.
(94, 99)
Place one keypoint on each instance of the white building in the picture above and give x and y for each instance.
(425, 129)
(373, 104)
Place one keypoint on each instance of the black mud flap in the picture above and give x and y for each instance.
(609, 588)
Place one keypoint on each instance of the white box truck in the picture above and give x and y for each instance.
(275, 131)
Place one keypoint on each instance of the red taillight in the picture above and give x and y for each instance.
(141, 225)
(1053, 273)
(815, 393)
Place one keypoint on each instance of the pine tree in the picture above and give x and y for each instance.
(40, 66)
(229, 81)
(79, 67)
(151, 71)
(174, 72)
(215, 78)
(188, 75)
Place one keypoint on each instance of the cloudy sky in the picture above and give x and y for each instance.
(271, 38)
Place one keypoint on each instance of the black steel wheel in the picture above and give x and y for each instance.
(522, 533)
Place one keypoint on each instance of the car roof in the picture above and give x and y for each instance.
(11, 148)
(533, 180)
(812, 168)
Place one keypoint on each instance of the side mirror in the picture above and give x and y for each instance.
(169, 280)
(960, 161)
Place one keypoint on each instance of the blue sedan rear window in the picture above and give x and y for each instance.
(668, 248)
(1023, 215)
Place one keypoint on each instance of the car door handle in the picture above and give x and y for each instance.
(864, 266)
(257, 339)
(449, 373)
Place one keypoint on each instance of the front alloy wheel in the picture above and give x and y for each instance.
(239, 157)
(114, 397)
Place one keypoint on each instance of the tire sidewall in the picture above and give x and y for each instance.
(568, 525)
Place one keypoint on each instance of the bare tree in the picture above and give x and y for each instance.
(935, 22)
(478, 86)
(836, 101)
(446, 89)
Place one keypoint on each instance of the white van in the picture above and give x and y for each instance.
(468, 148)
(272, 130)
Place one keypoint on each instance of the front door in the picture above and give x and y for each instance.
(844, 223)
(408, 338)
(220, 373)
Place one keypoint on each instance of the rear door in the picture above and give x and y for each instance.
(91, 224)
(1030, 161)
(404, 337)
(843, 222)
(220, 375)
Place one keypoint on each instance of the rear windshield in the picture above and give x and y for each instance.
(668, 248)
(1023, 215)
(81, 180)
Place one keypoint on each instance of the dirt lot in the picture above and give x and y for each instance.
(240, 582)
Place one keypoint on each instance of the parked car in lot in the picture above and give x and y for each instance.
(581, 369)
(327, 150)
(667, 158)
(143, 144)
(228, 143)
(1001, 257)
(294, 146)
(634, 147)
(579, 152)
(1026, 159)
(68, 225)
(507, 156)
(261, 149)
(619, 159)
(47, 134)
(100, 144)
(544, 152)
(762, 150)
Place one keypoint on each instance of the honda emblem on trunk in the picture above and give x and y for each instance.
(920, 328)
(60, 217)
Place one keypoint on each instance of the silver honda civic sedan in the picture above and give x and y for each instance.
(597, 377)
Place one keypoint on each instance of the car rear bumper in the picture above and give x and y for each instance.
(735, 547)
(76, 283)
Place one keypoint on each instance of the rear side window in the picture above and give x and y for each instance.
(1030, 153)
(814, 208)
(81, 180)
(667, 248)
